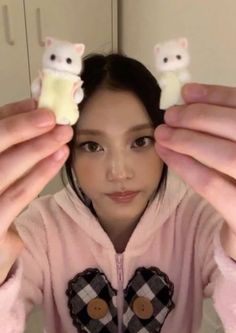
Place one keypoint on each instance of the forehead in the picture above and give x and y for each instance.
(110, 110)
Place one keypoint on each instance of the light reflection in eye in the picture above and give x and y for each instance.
(90, 146)
(144, 141)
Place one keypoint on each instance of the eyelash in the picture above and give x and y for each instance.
(150, 138)
(84, 145)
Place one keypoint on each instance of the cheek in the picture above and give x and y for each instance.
(151, 166)
(88, 175)
(150, 163)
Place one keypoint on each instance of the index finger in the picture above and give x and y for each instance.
(17, 107)
(209, 94)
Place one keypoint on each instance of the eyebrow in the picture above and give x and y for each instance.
(130, 130)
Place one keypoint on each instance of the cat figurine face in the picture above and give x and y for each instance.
(172, 55)
(63, 56)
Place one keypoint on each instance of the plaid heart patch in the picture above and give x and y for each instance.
(84, 288)
(147, 302)
(157, 290)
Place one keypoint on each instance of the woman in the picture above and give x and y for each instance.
(126, 247)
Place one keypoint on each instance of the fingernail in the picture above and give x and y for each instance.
(60, 154)
(62, 133)
(172, 115)
(194, 91)
(162, 151)
(163, 133)
(43, 118)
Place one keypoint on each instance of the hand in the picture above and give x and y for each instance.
(32, 150)
(198, 142)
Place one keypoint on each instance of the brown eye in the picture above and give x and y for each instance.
(143, 142)
(68, 60)
(52, 57)
(179, 57)
(165, 60)
(90, 147)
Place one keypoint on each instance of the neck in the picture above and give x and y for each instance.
(121, 237)
(119, 232)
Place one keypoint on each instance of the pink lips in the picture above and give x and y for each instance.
(123, 197)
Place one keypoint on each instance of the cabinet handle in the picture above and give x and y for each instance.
(7, 25)
(39, 28)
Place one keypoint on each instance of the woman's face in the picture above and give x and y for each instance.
(115, 161)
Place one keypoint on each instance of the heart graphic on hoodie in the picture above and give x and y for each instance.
(147, 302)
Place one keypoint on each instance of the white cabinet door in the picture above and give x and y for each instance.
(14, 72)
(92, 22)
(84, 21)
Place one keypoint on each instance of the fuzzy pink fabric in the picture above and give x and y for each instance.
(224, 296)
(12, 318)
(180, 236)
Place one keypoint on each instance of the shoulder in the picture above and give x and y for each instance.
(50, 209)
(47, 215)
(195, 204)
(196, 214)
(186, 205)
(39, 213)
(33, 220)
(38, 208)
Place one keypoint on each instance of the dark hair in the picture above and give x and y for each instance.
(119, 72)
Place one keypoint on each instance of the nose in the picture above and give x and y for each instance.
(119, 168)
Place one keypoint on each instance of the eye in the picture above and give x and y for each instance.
(165, 60)
(143, 142)
(90, 147)
(178, 57)
(52, 57)
(68, 60)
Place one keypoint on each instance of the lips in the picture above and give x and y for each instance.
(123, 197)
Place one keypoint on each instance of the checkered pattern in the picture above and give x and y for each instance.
(150, 283)
(83, 288)
(155, 286)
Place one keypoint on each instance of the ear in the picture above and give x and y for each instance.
(48, 41)
(80, 48)
(183, 42)
(156, 48)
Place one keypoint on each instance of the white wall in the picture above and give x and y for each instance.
(209, 25)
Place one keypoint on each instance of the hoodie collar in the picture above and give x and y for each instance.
(156, 213)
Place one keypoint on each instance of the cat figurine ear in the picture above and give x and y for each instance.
(80, 48)
(172, 60)
(157, 48)
(48, 41)
(59, 86)
(183, 42)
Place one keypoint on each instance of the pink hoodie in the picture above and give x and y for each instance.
(172, 260)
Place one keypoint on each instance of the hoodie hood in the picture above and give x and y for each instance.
(156, 213)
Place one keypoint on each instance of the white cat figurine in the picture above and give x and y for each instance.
(58, 86)
(172, 60)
